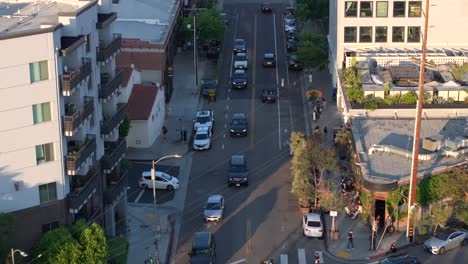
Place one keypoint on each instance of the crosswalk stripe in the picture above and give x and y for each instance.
(284, 259)
(301, 255)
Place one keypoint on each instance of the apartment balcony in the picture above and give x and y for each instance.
(105, 51)
(116, 188)
(113, 154)
(112, 123)
(109, 84)
(79, 153)
(82, 188)
(75, 116)
(70, 44)
(72, 78)
(105, 20)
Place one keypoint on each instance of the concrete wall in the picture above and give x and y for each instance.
(138, 132)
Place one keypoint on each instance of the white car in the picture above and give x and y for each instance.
(240, 61)
(204, 118)
(162, 181)
(312, 225)
(290, 26)
(446, 239)
(202, 139)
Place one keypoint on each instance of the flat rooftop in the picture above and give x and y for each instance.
(17, 16)
(382, 167)
(148, 20)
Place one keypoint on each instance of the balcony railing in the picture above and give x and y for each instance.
(115, 191)
(78, 152)
(104, 52)
(109, 86)
(113, 153)
(71, 79)
(85, 186)
(74, 118)
(109, 124)
(105, 20)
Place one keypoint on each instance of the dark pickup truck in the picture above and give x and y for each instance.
(208, 85)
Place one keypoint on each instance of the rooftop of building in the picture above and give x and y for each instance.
(141, 101)
(138, 17)
(141, 60)
(27, 16)
(389, 163)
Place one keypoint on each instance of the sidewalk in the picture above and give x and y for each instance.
(180, 112)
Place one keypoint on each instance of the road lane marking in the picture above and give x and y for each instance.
(226, 116)
(277, 86)
(225, 125)
(227, 107)
(276, 47)
(301, 255)
(228, 98)
(224, 135)
(239, 261)
(247, 231)
(222, 146)
(252, 110)
(137, 199)
(283, 259)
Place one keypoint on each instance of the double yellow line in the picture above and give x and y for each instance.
(248, 247)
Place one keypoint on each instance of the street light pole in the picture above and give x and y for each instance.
(13, 251)
(195, 59)
(153, 180)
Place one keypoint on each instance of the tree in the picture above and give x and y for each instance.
(458, 71)
(125, 126)
(206, 3)
(7, 232)
(51, 244)
(312, 50)
(331, 199)
(69, 253)
(301, 169)
(311, 9)
(210, 25)
(353, 82)
(461, 213)
(93, 244)
(439, 215)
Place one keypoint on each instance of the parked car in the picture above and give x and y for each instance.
(446, 239)
(238, 126)
(239, 46)
(214, 208)
(240, 61)
(312, 225)
(289, 11)
(204, 118)
(400, 259)
(268, 96)
(239, 79)
(291, 45)
(269, 60)
(162, 181)
(203, 248)
(267, 8)
(294, 64)
(237, 174)
(292, 35)
(202, 138)
(290, 26)
(208, 85)
(289, 18)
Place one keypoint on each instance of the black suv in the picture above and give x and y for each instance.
(269, 60)
(237, 174)
(268, 96)
(294, 64)
(239, 79)
(239, 46)
(203, 248)
(208, 85)
(238, 125)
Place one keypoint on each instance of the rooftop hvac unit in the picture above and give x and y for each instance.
(431, 144)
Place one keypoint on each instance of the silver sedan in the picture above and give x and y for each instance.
(214, 208)
(445, 240)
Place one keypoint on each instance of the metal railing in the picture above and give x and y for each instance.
(115, 191)
(113, 152)
(77, 156)
(71, 79)
(108, 88)
(105, 52)
(110, 124)
(78, 195)
(73, 120)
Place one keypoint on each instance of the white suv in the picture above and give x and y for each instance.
(202, 139)
(162, 181)
(204, 118)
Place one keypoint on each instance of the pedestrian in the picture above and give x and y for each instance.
(317, 258)
(350, 240)
(372, 242)
(389, 224)
(164, 130)
(358, 211)
(324, 103)
(393, 247)
(325, 130)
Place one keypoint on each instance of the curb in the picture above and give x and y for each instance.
(381, 255)
(170, 242)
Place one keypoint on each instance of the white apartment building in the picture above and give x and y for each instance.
(390, 32)
(60, 149)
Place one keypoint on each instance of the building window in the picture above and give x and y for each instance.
(38, 71)
(399, 8)
(398, 34)
(91, 120)
(350, 34)
(138, 141)
(366, 9)
(350, 9)
(380, 34)
(88, 42)
(90, 83)
(381, 9)
(414, 8)
(49, 227)
(414, 34)
(365, 34)
(47, 192)
(41, 113)
(44, 153)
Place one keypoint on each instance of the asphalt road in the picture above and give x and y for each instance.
(261, 220)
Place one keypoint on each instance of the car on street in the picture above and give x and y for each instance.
(312, 225)
(238, 125)
(202, 139)
(240, 61)
(203, 248)
(292, 35)
(288, 17)
(290, 26)
(239, 79)
(400, 259)
(291, 45)
(268, 96)
(162, 181)
(208, 85)
(289, 11)
(239, 46)
(294, 63)
(446, 239)
(237, 174)
(269, 60)
(214, 208)
(204, 118)
(267, 8)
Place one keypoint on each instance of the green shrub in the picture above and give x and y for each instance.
(409, 98)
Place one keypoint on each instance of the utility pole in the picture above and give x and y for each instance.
(155, 229)
(417, 127)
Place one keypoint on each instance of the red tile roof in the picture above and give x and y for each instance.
(141, 60)
(141, 101)
(139, 44)
(127, 73)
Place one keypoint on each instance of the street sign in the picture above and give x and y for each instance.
(333, 213)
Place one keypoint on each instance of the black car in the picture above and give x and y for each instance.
(239, 45)
(289, 11)
(267, 8)
(239, 79)
(291, 45)
(203, 248)
(294, 64)
(268, 96)
(401, 259)
(208, 85)
(237, 174)
(292, 35)
(238, 125)
(269, 60)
